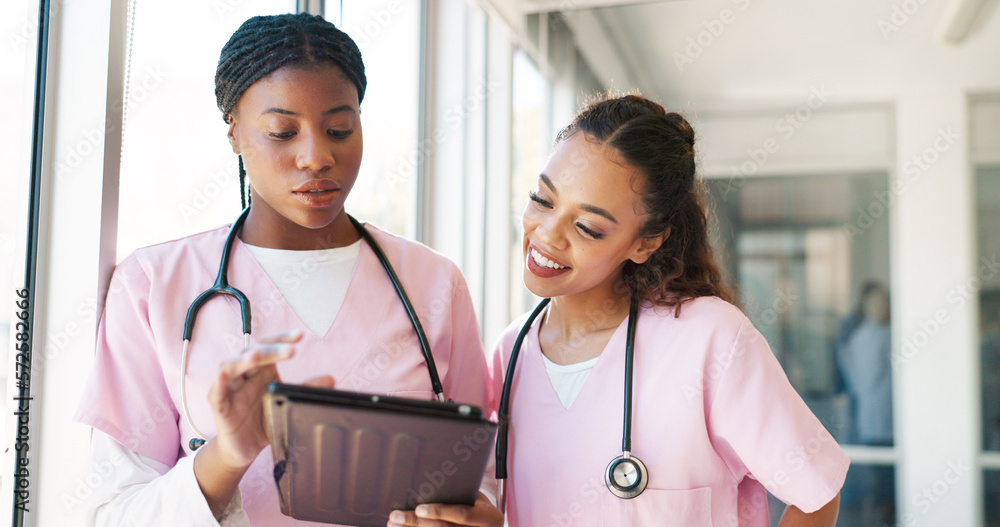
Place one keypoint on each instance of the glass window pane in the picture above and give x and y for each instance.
(388, 34)
(530, 149)
(988, 218)
(810, 260)
(991, 489)
(809, 257)
(866, 500)
(869, 496)
(179, 173)
(17, 55)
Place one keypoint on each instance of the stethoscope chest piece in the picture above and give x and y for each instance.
(626, 476)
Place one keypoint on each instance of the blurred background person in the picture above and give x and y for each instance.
(863, 354)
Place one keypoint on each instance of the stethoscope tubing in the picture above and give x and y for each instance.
(503, 410)
(425, 346)
(222, 287)
(633, 318)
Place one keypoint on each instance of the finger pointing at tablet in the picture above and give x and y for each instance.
(235, 399)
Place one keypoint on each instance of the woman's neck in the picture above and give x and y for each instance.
(598, 310)
(264, 227)
(578, 327)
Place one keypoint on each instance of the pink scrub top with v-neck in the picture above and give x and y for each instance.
(133, 393)
(715, 421)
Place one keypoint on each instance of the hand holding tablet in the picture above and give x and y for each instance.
(352, 458)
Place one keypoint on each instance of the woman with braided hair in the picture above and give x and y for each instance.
(290, 88)
(615, 238)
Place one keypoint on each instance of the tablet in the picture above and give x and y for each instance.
(352, 458)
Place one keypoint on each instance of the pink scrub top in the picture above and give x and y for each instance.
(133, 393)
(715, 421)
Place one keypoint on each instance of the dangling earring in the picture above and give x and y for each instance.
(244, 190)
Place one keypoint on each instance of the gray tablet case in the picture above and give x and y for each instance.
(352, 458)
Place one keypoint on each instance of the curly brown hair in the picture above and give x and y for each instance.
(661, 146)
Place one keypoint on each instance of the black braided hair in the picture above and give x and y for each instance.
(244, 194)
(265, 43)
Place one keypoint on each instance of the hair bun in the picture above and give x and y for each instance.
(683, 127)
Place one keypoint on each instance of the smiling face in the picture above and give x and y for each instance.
(299, 132)
(582, 222)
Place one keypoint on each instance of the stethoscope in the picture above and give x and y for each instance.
(626, 475)
(222, 287)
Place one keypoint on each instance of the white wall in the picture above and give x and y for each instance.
(935, 336)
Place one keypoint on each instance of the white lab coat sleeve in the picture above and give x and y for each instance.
(137, 490)
(489, 483)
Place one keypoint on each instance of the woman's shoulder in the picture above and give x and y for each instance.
(154, 264)
(162, 263)
(515, 326)
(505, 341)
(409, 253)
(706, 316)
(710, 310)
(209, 241)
